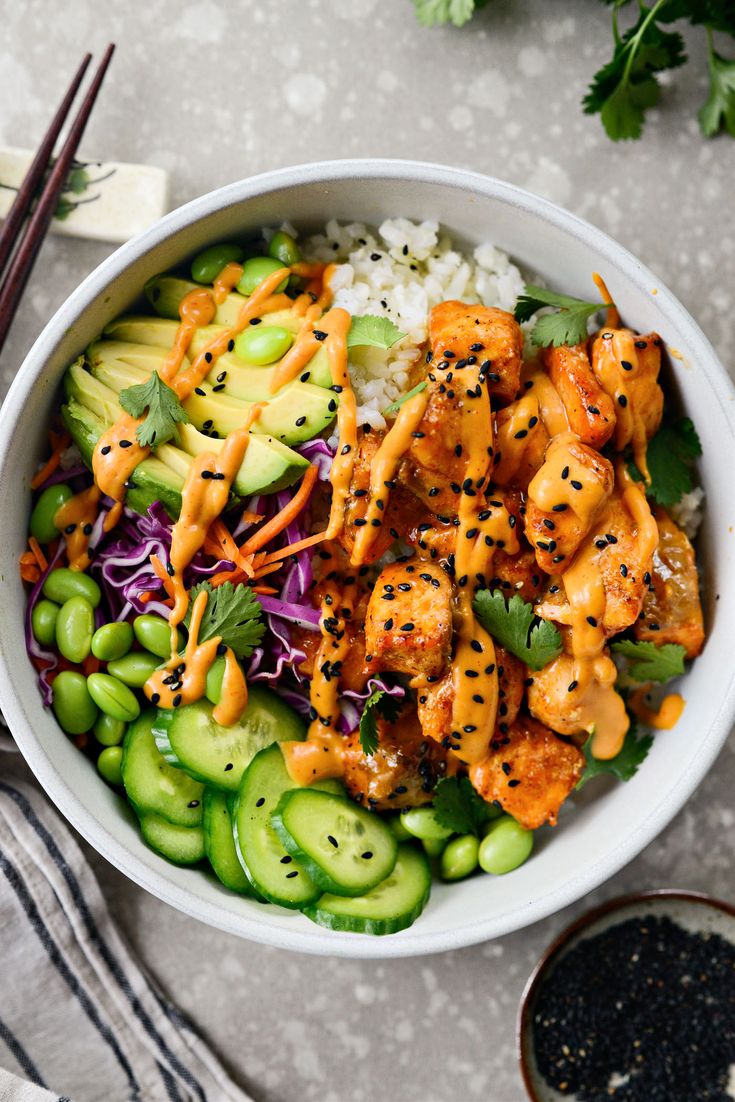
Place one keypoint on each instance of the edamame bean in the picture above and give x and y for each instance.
(154, 633)
(433, 847)
(112, 697)
(207, 266)
(73, 706)
(42, 524)
(134, 669)
(506, 846)
(492, 812)
(112, 641)
(215, 674)
(255, 270)
(423, 823)
(64, 583)
(393, 822)
(264, 344)
(109, 731)
(43, 622)
(460, 857)
(109, 764)
(283, 247)
(75, 628)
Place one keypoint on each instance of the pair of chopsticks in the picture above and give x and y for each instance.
(19, 244)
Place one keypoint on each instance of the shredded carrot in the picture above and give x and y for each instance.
(264, 590)
(161, 572)
(149, 595)
(282, 520)
(293, 548)
(37, 553)
(90, 665)
(29, 572)
(251, 518)
(59, 443)
(219, 542)
(267, 569)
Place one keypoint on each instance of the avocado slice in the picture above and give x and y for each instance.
(268, 465)
(165, 292)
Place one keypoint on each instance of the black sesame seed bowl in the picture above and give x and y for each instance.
(634, 1002)
(604, 827)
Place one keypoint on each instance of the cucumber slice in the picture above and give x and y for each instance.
(345, 849)
(275, 874)
(191, 739)
(219, 843)
(392, 906)
(178, 844)
(154, 786)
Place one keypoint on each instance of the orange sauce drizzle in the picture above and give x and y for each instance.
(662, 718)
(80, 511)
(226, 281)
(234, 693)
(610, 351)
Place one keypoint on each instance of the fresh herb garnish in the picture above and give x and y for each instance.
(718, 112)
(369, 329)
(670, 455)
(378, 703)
(233, 612)
(510, 624)
(395, 406)
(568, 326)
(436, 12)
(650, 662)
(164, 410)
(625, 763)
(458, 807)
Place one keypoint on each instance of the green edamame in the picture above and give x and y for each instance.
(134, 669)
(505, 846)
(112, 641)
(393, 822)
(433, 847)
(215, 674)
(264, 344)
(154, 633)
(73, 706)
(43, 622)
(112, 697)
(492, 813)
(208, 264)
(460, 857)
(423, 823)
(109, 731)
(109, 764)
(42, 523)
(75, 628)
(255, 270)
(64, 583)
(283, 247)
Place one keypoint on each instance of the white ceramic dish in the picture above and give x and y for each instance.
(606, 829)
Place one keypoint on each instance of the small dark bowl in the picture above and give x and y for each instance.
(694, 911)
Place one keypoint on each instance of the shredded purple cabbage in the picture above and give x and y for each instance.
(320, 454)
(33, 647)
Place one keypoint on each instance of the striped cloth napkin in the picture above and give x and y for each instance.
(80, 1021)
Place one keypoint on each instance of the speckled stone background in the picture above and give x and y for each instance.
(213, 91)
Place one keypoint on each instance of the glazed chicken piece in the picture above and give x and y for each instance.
(521, 440)
(590, 411)
(463, 339)
(517, 574)
(672, 610)
(403, 771)
(531, 774)
(435, 701)
(401, 506)
(353, 675)
(564, 498)
(408, 624)
(627, 366)
(557, 700)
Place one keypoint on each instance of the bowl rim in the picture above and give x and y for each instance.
(562, 940)
(317, 940)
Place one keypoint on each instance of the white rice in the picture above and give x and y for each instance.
(688, 512)
(415, 267)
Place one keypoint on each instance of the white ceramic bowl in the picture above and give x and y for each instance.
(607, 828)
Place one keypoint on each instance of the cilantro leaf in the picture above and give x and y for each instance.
(369, 329)
(670, 455)
(718, 112)
(624, 88)
(569, 326)
(625, 763)
(650, 662)
(457, 12)
(510, 625)
(458, 807)
(378, 703)
(395, 406)
(164, 410)
(233, 612)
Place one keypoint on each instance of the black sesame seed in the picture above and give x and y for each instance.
(559, 508)
(575, 484)
(626, 365)
(565, 473)
(624, 570)
(622, 400)
(300, 421)
(592, 621)
(407, 627)
(126, 443)
(106, 450)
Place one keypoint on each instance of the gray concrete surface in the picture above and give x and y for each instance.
(214, 91)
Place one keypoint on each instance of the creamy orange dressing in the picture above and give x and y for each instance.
(548, 488)
(662, 718)
(601, 709)
(509, 444)
(612, 316)
(184, 677)
(226, 281)
(81, 512)
(233, 697)
(551, 408)
(615, 363)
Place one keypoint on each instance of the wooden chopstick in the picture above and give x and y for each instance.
(30, 241)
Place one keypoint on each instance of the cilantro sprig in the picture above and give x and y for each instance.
(165, 410)
(625, 763)
(457, 12)
(233, 612)
(718, 111)
(458, 807)
(670, 455)
(510, 624)
(379, 703)
(373, 331)
(649, 662)
(568, 326)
